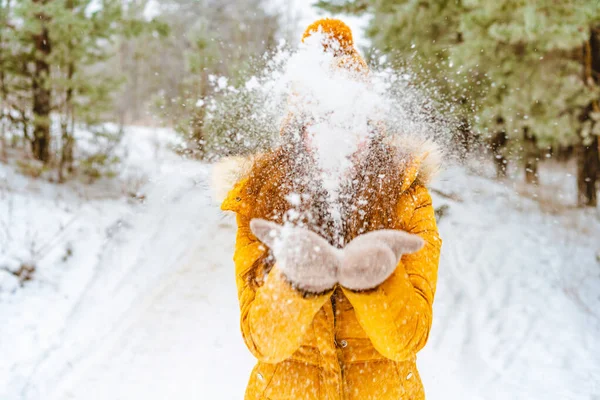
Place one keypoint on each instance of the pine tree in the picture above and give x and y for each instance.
(532, 56)
(53, 62)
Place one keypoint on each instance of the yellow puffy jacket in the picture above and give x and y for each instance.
(341, 344)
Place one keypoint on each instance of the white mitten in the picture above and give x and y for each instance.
(369, 259)
(306, 259)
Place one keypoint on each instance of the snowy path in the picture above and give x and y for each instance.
(158, 319)
(516, 312)
(181, 341)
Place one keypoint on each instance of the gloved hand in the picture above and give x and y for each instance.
(306, 259)
(312, 264)
(369, 259)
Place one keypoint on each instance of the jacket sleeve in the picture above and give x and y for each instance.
(397, 314)
(274, 316)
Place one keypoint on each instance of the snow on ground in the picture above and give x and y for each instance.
(517, 308)
(144, 305)
(119, 248)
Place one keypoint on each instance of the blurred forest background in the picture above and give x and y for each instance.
(523, 78)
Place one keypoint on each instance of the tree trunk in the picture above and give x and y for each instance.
(588, 172)
(198, 138)
(531, 157)
(25, 122)
(498, 144)
(67, 128)
(41, 94)
(135, 87)
(67, 138)
(588, 161)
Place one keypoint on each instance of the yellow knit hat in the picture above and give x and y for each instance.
(337, 30)
(334, 28)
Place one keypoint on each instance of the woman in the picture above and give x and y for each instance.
(336, 308)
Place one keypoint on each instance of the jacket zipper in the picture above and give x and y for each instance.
(333, 307)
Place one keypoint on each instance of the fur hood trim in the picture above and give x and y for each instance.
(226, 173)
(425, 152)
